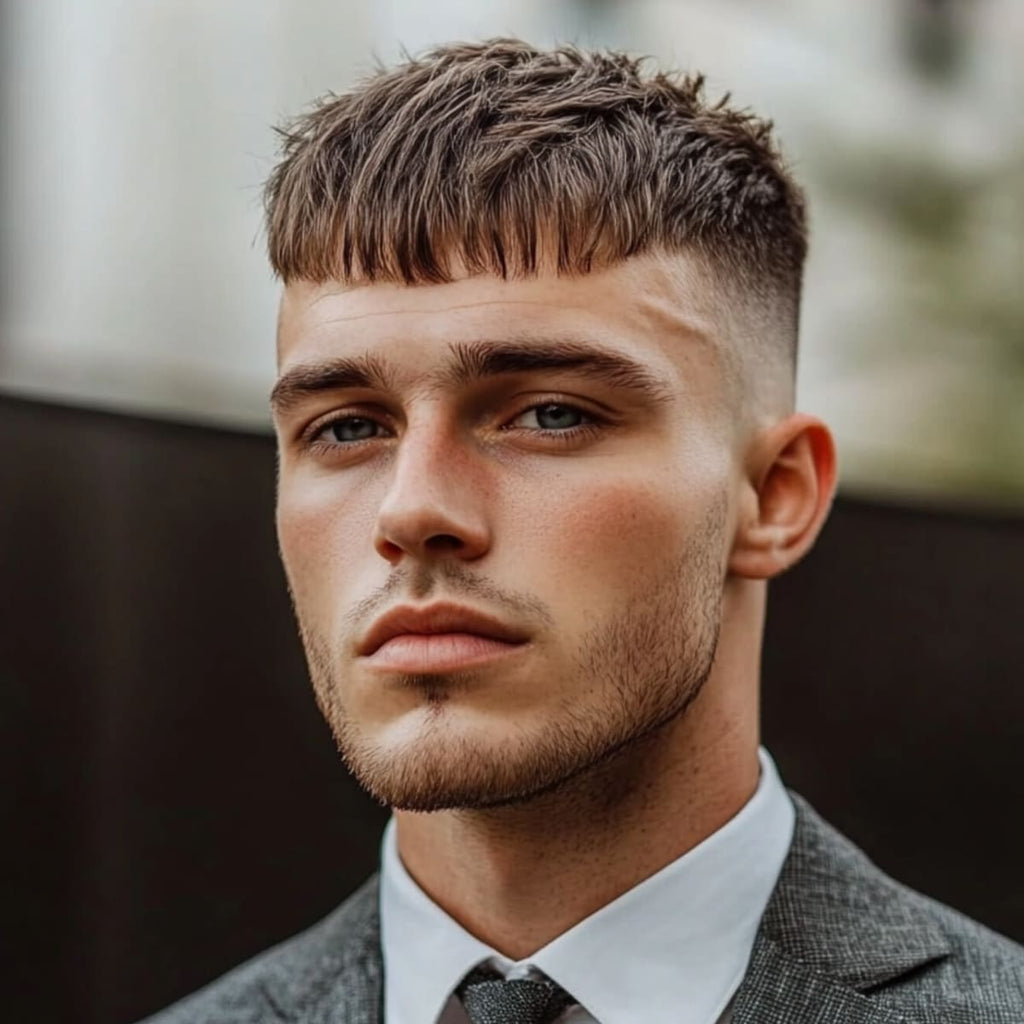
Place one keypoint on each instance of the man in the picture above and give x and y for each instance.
(538, 460)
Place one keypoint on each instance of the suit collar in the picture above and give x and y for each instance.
(835, 928)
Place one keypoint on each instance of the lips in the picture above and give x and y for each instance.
(430, 620)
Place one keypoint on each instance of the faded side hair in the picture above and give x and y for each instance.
(500, 158)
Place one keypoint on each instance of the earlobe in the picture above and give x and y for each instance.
(791, 478)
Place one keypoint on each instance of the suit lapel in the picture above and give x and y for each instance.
(835, 928)
(780, 990)
(336, 976)
(356, 997)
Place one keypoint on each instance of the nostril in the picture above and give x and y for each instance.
(444, 542)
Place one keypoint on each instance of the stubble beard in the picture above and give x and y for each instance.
(640, 670)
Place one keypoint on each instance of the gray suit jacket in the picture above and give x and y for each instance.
(840, 943)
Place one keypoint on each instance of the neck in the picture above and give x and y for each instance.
(519, 876)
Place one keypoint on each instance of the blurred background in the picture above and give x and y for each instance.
(171, 774)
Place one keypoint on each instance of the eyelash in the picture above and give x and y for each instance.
(315, 435)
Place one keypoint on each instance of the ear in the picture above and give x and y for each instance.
(790, 482)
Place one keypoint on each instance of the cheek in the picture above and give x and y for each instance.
(320, 531)
(600, 537)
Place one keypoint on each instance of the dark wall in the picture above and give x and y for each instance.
(178, 805)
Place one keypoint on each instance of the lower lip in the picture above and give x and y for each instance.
(439, 652)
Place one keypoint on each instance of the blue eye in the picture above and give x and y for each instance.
(553, 416)
(553, 421)
(351, 428)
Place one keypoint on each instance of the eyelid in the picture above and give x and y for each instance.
(312, 431)
(587, 404)
(578, 404)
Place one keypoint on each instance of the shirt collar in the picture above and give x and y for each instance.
(677, 944)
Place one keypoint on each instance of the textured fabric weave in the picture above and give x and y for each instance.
(490, 999)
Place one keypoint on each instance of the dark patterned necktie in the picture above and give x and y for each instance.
(489, 999)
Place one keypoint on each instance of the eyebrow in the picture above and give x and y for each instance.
(307, 380)
(474, 361)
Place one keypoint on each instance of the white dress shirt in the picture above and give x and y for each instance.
(671, 950)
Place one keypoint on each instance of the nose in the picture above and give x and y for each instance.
(434, 506)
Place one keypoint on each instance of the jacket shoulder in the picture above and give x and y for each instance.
(837, 912)
(287, 982)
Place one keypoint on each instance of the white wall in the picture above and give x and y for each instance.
(134, 263)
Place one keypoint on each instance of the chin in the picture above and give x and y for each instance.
(438, 765)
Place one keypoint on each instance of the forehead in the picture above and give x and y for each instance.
(654, 309)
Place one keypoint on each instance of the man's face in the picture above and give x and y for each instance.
(540, 473)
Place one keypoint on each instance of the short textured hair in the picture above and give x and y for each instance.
(499, 158)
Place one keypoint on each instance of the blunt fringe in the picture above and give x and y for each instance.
(499, 158)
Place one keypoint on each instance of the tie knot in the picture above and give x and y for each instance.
(490, 999)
